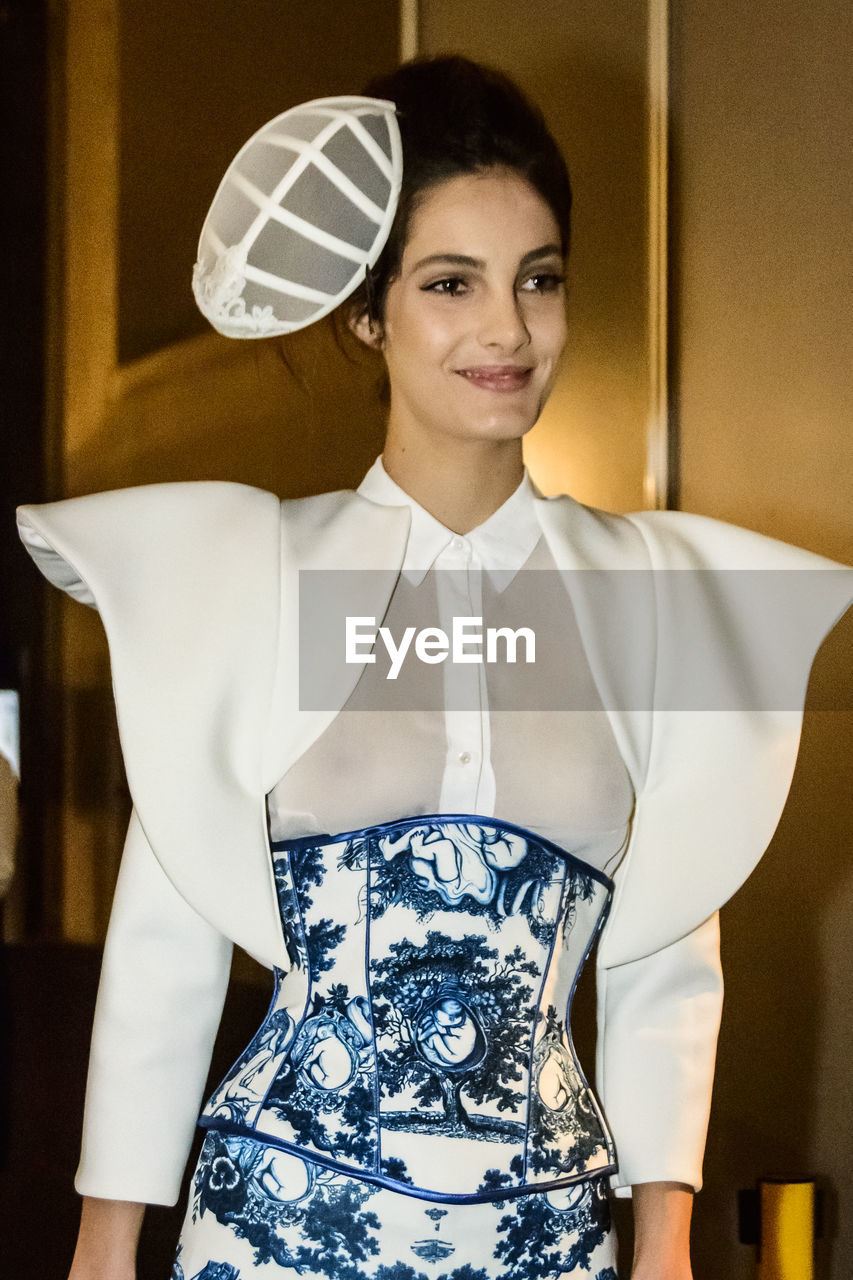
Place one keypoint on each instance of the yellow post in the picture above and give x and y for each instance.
(787, 1217)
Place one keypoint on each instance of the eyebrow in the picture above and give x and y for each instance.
(462, 260)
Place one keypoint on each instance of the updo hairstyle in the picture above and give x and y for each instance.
(456, 118)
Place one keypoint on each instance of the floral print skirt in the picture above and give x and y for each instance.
(259, 1211)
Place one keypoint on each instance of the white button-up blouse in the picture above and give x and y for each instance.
(525, 741)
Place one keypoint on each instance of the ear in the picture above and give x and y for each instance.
(359, 324)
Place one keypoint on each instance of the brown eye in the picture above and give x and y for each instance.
(450, 286)
(543, 282)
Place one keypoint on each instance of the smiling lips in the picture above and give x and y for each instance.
(498, 377)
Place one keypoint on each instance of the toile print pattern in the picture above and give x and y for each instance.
(257, 1210)
(421, 1038)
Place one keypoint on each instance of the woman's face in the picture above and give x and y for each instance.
(475, 321)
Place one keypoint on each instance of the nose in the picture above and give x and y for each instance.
(502, 325)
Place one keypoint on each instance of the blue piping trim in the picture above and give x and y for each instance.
(421, 818)
(539, 1014)
(367, 987)
(417, 1193)
(301, 842)
(567, 1023)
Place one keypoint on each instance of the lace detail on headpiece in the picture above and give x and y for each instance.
(217, 293)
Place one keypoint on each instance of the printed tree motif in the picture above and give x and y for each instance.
(494, 1179)
(341, 1231)
(321, 938)
(296, 873)
(395, 1169)
(451, 1017)
(288, 906)
(398, 1271)
(402, 1271)
(535, 1236)
(335, 1230)
(580, 887)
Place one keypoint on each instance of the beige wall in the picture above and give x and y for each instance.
(763, 144)
(585, 65)
(763, 120)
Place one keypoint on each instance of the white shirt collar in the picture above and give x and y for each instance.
(501, 544)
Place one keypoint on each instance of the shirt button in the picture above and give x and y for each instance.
(464, 757)
(459, 544)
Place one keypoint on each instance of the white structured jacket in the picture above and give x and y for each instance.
(197, 587)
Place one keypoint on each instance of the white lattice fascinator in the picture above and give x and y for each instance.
(304, 208)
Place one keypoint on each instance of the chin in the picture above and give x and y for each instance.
(497, 432)
(509, 426)
(506, 422)
(499, 424)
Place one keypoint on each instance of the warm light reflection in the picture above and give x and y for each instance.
(590, 440)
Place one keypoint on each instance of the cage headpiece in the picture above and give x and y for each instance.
(303, 211)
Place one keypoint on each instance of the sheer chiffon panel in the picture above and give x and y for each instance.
(539, 727)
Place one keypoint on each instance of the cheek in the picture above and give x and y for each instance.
(421, 339)
(554, 333)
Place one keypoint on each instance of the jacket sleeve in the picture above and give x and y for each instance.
(658, 1019)
(162, 988)
(739, 618)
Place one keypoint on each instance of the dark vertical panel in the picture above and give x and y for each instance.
(23, 150)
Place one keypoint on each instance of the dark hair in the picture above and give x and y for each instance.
(458, 117)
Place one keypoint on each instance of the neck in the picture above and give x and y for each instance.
(460, 482)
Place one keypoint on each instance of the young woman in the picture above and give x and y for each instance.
(423, 846)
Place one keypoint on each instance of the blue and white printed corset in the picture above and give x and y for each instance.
(421, 1040)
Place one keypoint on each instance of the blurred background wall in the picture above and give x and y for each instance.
(762, 112)
(145, 105)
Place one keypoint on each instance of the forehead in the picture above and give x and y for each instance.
(478, 215)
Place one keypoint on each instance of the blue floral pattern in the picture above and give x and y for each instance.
(411, 1107)
(255, 1208)
(421, 1037)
